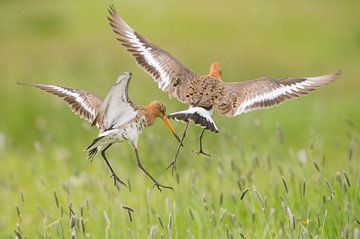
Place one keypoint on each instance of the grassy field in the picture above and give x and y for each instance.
(289, 172)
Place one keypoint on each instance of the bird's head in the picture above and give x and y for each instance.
(158, 110)
(215, 70)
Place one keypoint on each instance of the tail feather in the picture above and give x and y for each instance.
(104, 138)
(92, 149)
(91, 146)
(92, 153)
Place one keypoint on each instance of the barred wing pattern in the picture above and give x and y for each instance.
(262, 93)
(171, 75)
(82, 103)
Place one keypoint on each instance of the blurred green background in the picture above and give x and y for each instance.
(69, 43)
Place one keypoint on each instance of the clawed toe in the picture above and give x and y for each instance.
(118, 180)
(159, 186)
(203, 153)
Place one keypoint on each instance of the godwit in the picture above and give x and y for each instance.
(208, 92)
(117, 118)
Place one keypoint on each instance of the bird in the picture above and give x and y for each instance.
(208, 93)
(117, 118)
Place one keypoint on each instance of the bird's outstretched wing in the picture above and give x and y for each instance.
(267, 92)
(82, 103)
(117, 108)
(171, 75)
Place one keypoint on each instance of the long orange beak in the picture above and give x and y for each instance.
(166, 121)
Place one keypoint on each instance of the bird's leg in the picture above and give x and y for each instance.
(116, 178)
(158, 185)
(201, 148)
(173, 162)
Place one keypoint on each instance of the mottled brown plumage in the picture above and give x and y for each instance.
(207, 93)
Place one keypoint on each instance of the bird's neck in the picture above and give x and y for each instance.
(215, 74)
(149, 115)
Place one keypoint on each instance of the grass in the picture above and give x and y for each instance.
(292, 171)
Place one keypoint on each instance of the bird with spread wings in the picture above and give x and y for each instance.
(208, 93)
(117, 118)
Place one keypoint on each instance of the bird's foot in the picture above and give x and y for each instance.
(118, 180)
(173, 166)
(202, 152)
(159, 186)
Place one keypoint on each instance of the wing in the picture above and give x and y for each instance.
(82, 103)
(117, 108)
(262, 93)
(171, 75)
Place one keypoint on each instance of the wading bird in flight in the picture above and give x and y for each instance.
(206, 93)
(117, 118)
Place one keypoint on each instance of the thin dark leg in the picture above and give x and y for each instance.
(173, 163)
(201, 148)
(158, 185)
(116, 178)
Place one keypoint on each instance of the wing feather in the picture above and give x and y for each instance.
(82, 103)
(267, 92)
(117, 108)
(171, 75)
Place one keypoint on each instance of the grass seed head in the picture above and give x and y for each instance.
(316, 167)
(83, 226)
(177, 178)
(228, 233)
(330, 189)
(18, 213)
(233, 219)
(338, 178)
(258, 196)
(221, 199)
(160, 221)
(170, 226)
(56, 199)
(191, 214)
(347, 179)
(244, 193)
(285, 185)
(22, 196)
(304, 189)
(350, 155)
(221, 214)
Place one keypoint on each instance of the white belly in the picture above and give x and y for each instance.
(128, 132)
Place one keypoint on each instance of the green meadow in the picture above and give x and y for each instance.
(288, 172)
